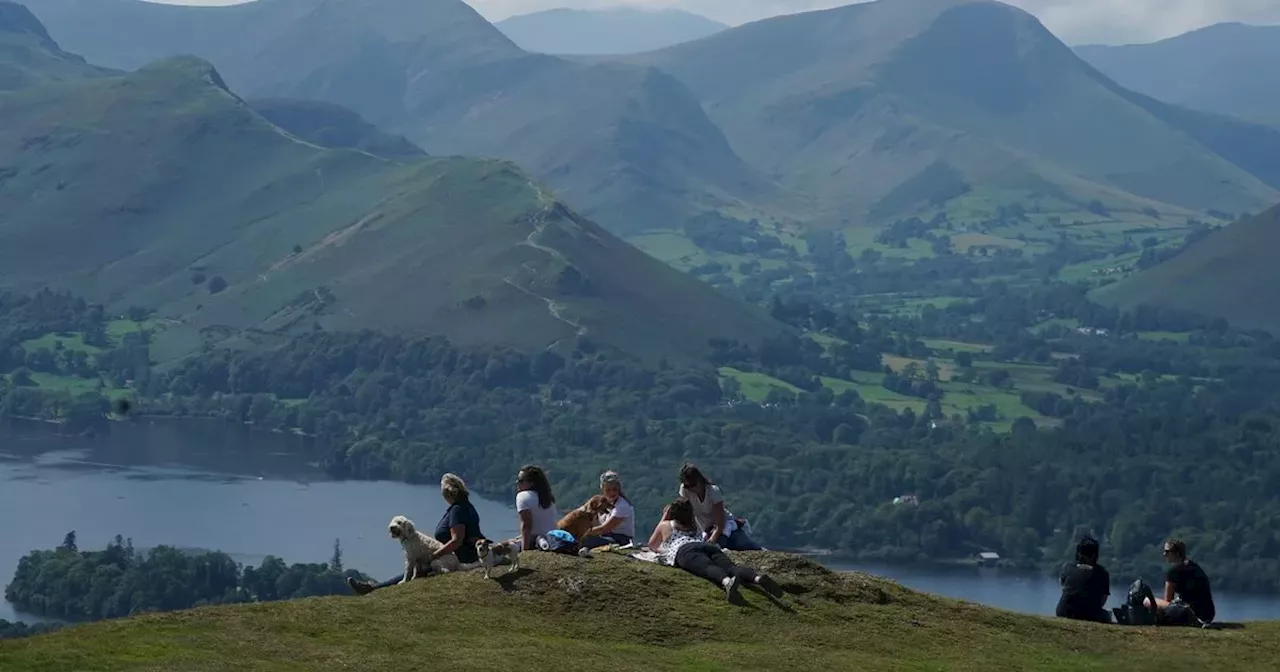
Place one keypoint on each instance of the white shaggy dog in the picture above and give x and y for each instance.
(491, 553)
(418, 549)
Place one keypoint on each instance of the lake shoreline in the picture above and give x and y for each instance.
(241, 486)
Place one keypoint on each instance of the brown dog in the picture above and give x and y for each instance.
(580, 520)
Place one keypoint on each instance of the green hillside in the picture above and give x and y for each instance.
(28, 56)
(626, 615)
(1231, 274)
(1226, 68)
(162, 188)
(892, 107)
(626, 145)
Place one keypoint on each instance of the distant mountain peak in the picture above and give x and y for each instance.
(17, 19)
(609, 30)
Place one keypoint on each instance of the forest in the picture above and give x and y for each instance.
(1176, 438)
(73, 585)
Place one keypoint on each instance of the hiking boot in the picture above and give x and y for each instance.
(769, 586)
(360, 587)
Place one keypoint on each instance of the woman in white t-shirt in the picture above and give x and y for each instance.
(715, 521)
(535, 506)
(619, 525)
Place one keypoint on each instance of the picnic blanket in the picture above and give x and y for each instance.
(646, 556)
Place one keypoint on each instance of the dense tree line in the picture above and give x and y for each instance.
(1156, 457)
(76, 585)
(11, 630)
(1188, 447)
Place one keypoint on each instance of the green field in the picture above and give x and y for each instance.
(116, 330)
(757, 386)
(53, 341)
(1164, 336)
(559, 608)
(944, 347)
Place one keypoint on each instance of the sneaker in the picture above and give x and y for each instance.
(731, 589)
(360, 587)
(770, 586)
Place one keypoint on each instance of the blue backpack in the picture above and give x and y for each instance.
(558, 541)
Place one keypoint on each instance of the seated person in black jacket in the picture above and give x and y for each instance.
(1085, 585)
(1185, 586)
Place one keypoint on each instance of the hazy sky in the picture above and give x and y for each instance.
(1075, 21)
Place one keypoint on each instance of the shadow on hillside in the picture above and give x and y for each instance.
(777, 602)
(507, 581)
(1224, 626)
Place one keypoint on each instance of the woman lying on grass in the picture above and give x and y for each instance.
(678, 542)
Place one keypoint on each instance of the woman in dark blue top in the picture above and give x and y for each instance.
(458, 530)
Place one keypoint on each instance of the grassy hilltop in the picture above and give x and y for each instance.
(626, 615)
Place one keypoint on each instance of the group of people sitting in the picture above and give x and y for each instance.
(694, 531)
(1086, 585)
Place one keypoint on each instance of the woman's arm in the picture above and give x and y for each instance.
(1170, 590)
(609, 525)
(717, 516)
(457, 534)
(527, 541)
(658, 536)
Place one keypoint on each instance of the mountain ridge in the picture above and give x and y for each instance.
(609, 30)
(438, 73)
(1229, 274)
(1220, 68)
(881, 91)
(28, 55)
(183, 198)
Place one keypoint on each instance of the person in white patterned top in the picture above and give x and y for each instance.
(678, 541)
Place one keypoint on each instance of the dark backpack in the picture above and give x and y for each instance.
(1135, 611)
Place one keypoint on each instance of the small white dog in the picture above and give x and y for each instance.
(418, 549)
(490, 553)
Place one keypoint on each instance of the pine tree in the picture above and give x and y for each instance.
(69, 542)
(335, 563)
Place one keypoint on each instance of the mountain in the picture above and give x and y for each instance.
(28, 56)
(1230, 274)
(888, 107)
(825, 621)
(336, 127)
(860, 114)
(164, 189)
(1228, 68)
(614, 30)
(629, 145)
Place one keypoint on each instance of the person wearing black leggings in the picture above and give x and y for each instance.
(679, 543)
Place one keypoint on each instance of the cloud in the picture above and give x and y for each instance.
(1075, 21)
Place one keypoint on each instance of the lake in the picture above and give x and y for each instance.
(204, 484)
(197, 484)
